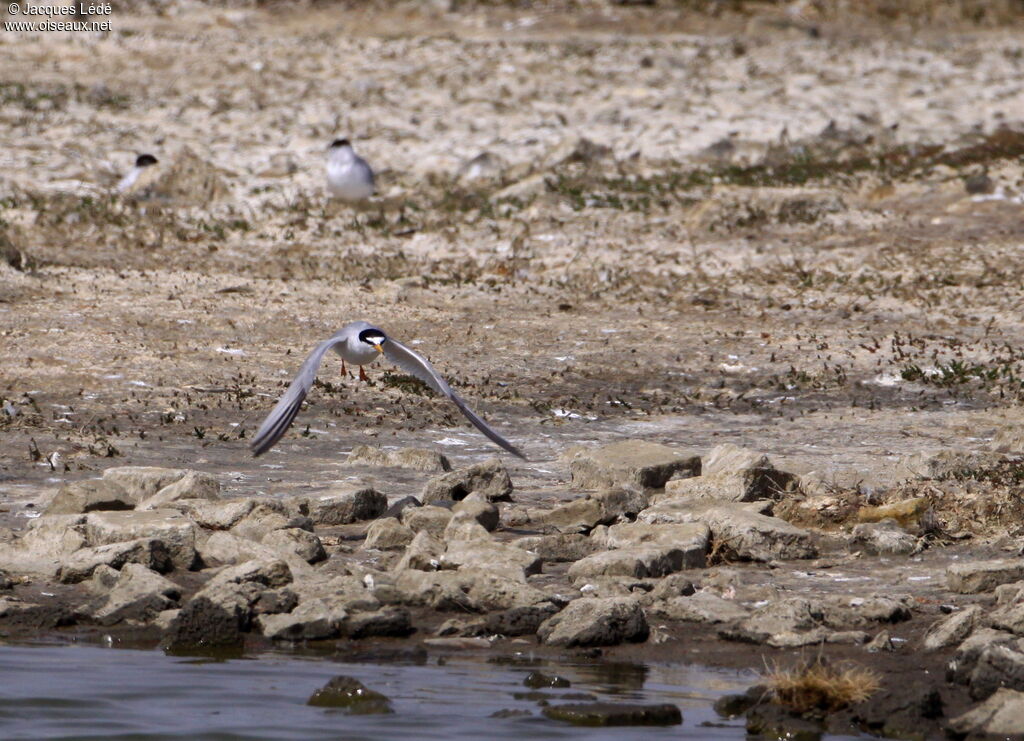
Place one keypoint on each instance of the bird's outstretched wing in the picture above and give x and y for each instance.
(414, 363)
(282, 415)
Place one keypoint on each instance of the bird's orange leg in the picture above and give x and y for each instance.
(344, 371)
(362, 375)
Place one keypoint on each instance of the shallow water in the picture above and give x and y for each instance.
(82, 692)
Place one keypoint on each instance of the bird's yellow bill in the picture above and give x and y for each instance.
(379, 348)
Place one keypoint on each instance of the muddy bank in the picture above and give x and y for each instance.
(655, 555)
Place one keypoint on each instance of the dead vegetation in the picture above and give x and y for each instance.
(821, 687)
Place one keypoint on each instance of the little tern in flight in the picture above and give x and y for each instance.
(361, 343)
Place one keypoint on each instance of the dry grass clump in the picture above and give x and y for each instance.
(819, 686)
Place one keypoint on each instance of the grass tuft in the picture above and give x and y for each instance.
(819, 686)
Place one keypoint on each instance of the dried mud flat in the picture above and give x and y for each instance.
(602, 226)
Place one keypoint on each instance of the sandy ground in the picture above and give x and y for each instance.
(766, 237)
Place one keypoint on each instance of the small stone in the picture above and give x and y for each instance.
(538, 680)
(142, 482)
(736, 474)
(297, 541)
(387, 533)
(351, 694)
(340, 507)
(1000, 716)
(490, 479)
(637, 561)
(88, 496)
(429, 518)
(953, 629)
(972, 577)
(193, 485)
(885, 538)
(596, 622)
(635, 463)
(483, 512)
(612, 714)
(418, 459)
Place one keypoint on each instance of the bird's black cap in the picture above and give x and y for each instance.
(340, 143)
(145, 160)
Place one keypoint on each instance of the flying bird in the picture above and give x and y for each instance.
(349, 177)
(360, 343)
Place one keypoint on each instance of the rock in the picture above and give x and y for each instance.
(270, 573)
(312, 620)
(952, 629)
(104, 578)
(464, 527)
(193, 485)
(732, 473)
(396, 509)
(47, 543)
(847, 612)
(596, 622)
(387, 622)
(219, 614)
(1009, 618)
(642, 562)
(351, 694)
(432, 519)
(908, 513)
(881, 642)
(483, 512)
(701, 607)
(519, 621)
(203, 624)
(418, 459)
(142, 482)
(537, 680)
(18, 614)
(674, 585)
(498, 558)
(614, 714)
(490, 479)
(691, 538)
(386, 533)
(527, 188)
(794, 621)
(1009, 594)
(885, 538)
(216, 515)
(338, 507)
(139, 595)
(997, 666)
(581, 515)
(630, 463)
(736, 530)
(276, 601)
(301, 543)
(620, 503)
(150, 553)
(492, 591)
(444, 591)
(88, 496)
(264, 518)
(423, 553)
(559, 548)
(228, 548)
(176, 531)
(1001, 715)
(971, 577)
(967, 653)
